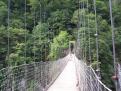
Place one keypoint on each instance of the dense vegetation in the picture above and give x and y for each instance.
(50, 25)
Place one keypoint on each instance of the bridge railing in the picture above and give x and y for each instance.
(87, 78)
(36, 76)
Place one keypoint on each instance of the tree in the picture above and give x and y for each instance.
(3, 13)
(60, 42)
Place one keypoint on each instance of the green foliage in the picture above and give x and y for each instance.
(59, 42)
(50, 35)
(57, 20)
(3, 12)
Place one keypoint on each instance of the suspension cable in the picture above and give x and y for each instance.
(8, 32)
(34, 15)
(97, 45)
(81, 25)
(85, 31)
(78, 24)
(96, 35)
(89, 45)
(113, 42)
(78, 28)
(25, 40)
(44, 22)
(89, 37)
(113, 36)
(25, 35)
(40, 31)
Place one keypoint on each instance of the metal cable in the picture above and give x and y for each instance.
(96, 35)
(113, 42)
(89, 43)
(88, 80)
(84, 14)
(89, 37)
(34, 15)
(39, 75)
(97, 44)
(8, 31)
(25, 24)
(83, 30)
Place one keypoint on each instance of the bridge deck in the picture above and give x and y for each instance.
(67, 80)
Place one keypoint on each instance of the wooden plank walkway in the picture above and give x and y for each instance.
(67, 80)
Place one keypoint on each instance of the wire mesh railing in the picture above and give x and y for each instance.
(87, 78)
(36, 76)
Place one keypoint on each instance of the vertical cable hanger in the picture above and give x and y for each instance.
(10, 72)
(82, 43)
(78, 27)
(83, 30)
(25, 40)
(40, 33)
(40, 6)
(25, 24)
(96, 34)
(113, 42)
(34, 46)
(78, 24)
(85, 49)
(44, 22)
(84, 27)
(89, 37)
(41, 17)
(34, 15)
(80, 32)
(97, 44)
(89, 45)
(8, 31)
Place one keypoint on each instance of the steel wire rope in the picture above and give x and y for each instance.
(45, 45)
(25, 41)
(78, 43)
(34, 46)
(89, 37)
(97, 43)
(96, 34)
(8, 45)
(113, 42)
(85, 49)
(40, 21)
(80, 32)
(10, 77)
(89, 43)
(40, 7)
(85, 72)
(83, 29)
(82, 8)
(34, 31)
(40, 41)
(84, 37)
(8, 31)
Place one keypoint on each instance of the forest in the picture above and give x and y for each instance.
(42, 29)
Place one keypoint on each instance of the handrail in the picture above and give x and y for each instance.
(99, 80)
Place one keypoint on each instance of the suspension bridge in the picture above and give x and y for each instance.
(68, 73)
